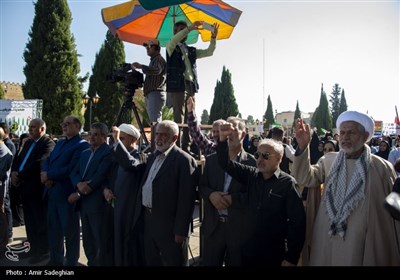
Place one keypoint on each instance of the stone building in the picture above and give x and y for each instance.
(12, 90)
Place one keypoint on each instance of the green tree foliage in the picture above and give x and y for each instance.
(269, 114)
(167, 113)
(343, 103)
(322, 118)
(297, 114)
(224, 104)
(335, 103)
(109, 58)
(52, 66)
(250, 120)
(2, 93)
(205, 117)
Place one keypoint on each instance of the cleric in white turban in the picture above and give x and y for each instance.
(122, 195)
(361, 118)
(130, 130)
(352, 227)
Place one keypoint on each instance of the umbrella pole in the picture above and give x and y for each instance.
(174, 14)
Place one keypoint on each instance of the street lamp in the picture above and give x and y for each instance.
(90, 101)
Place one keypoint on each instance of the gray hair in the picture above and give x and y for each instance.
(238, 121)
(171, 126)
(276, 145)
(218, 122)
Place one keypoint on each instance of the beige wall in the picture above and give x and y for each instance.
(12, 90)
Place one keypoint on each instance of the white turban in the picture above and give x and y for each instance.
(130, 129)
(361, 118)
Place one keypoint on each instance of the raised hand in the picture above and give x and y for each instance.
(225, 130)
(215, 31)
(303, 134)
(116, 132)
(190, 104)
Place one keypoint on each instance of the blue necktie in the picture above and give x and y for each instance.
(27, 156)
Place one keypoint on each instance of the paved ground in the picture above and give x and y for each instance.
(20, 237)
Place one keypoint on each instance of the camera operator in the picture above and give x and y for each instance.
(154, 84)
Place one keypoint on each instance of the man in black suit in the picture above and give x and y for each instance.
(222, 227)
(167, 197)
(26, 176)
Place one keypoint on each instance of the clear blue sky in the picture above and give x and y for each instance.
(284, 49)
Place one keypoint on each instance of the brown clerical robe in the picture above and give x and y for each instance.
(372, 235)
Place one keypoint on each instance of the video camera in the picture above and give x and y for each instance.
(130, 78)
(392, 201)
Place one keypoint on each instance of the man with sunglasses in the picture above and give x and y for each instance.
(274, 210)
(154, 84)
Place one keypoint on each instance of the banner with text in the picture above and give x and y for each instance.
(18, 113)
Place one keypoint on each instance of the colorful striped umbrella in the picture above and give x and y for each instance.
(132, 23)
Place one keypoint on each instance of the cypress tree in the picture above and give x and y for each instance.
(269, 114)
(335, 103)
(103, 82)
(297, 114)
(323, 117)
(2, 93)
(224, 103)
(343, 103)
(52, 66)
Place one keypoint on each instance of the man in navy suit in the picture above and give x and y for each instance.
(26, 176)
(89, 178)
(167, 197)
(63, 221)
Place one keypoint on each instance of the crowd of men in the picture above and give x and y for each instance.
(136, 210)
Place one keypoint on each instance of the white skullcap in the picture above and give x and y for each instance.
(361, 118)
(130, 129)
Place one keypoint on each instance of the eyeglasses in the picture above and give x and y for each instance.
(65, 124)
(329, 150)
(94, 134)
(265, 155)
(149, 46)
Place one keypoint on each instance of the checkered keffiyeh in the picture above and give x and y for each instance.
(341, 199)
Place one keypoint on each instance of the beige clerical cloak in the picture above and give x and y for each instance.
(372, 236)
